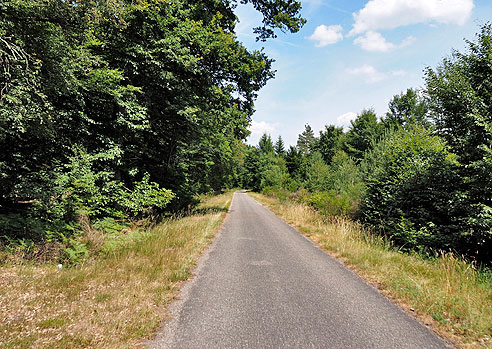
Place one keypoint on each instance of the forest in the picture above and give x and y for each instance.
(114, 111)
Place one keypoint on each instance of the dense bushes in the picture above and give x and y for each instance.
(411, 194)
(80, 191)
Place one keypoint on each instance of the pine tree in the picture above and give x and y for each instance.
(265, 144)
(279, 147)
(306, 140)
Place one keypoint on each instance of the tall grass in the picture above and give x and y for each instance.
(116, 300)
(445, 292)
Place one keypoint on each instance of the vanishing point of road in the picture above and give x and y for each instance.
(264, 285)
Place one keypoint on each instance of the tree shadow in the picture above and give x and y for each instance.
(207, 210)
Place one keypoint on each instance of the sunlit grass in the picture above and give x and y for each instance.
(115, 300)
(445, 292)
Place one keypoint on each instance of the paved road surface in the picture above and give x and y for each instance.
(263, 285)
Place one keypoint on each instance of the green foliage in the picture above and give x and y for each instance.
(337, 188)
(252, 169)
(76, 252)
(331, 203)
(294, 161)
(319, 175)
(347, 178)
(363, 132)
(144, 197)
(150, 94)
(282, 14)
(80, 190)
(276, 174)
(265, 144)
(306, 140)
(411, 190)
(407, 108)
(279, 147)
(329, 142)
(459, 91)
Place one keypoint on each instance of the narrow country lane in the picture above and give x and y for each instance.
(263, 285)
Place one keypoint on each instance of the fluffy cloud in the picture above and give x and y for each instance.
(259, 128)
(372, 75)
(374, 41)
(369, 73)
(389, 14)
(327, 35)
(344, 119)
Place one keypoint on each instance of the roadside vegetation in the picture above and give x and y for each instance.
(451, 295)
(115, 299)
(420, 176)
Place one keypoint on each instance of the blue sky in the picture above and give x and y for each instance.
(351, 55)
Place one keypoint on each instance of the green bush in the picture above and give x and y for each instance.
(319, 175)
(412, 191)
(80, 189)
(346, 177)
(281, 194)
(331, 203)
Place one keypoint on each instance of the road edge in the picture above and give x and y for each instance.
(164, 335)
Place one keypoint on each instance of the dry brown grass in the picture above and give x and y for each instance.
(446, 293)
(116, 300)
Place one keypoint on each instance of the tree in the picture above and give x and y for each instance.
(306, 140)
(279, 147)
(407, 108)
(282, 14)
(157, 88)
(329, 142)
(459, 94)
(412, 194)
(319, 175)
(293, 159)
(459, 91)
(253, 169)
(364, 130)
(265, 144)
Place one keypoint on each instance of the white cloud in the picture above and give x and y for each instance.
(372, 75)
(259, 128)
(344, 119)
(374, 41)
(327, 35)
(389, 14)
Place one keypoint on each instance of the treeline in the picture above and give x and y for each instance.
(421, 175)
(118, 109)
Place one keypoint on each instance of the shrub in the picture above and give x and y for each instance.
(331, 203)
(79, 189)
(412, 193)
(319, 175)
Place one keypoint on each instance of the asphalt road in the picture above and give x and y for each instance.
(264, 285)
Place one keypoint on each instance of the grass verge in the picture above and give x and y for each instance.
(116, 300)
(446, 293)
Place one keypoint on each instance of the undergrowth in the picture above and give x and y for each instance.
(116, 298)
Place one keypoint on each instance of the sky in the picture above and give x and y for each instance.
(353, 55)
